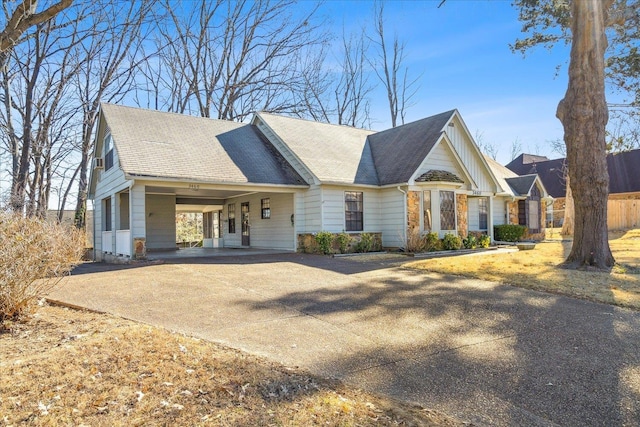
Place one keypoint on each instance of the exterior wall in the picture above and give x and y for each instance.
(312, 210)
(276, 232)
(473, 213)
(108, 184)
(160, 221)
(333, 209)
(392, 218)
(461, 215)
(512, 212)
(441, 158)
(414, 212)
(470, 157)
(500, 211)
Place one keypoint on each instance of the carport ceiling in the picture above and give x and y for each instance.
(199, 194)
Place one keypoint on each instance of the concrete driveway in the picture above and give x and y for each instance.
(485, 353)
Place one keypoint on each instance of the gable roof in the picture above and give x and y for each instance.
(398, 152)
(624, 173)
(521, 185)
(157, 144)
(332, 153)
(523, 164)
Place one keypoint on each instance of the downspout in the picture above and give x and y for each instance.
(404, 226)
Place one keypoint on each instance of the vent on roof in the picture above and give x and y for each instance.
(98, 163)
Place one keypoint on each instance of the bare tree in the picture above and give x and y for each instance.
(229, 59)
(390, 70)
(488, 148)
(112, 56)
(516, 148)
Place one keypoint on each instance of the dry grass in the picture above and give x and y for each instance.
(68, 367)
(538, 269)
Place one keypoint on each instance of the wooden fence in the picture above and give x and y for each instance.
(623, 214)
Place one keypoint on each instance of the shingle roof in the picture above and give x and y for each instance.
(525, 163)
(165, 145)
(501, 173)
(521, 185)
(398, 152)
(624, 171)
(332, 153)
(439, 176)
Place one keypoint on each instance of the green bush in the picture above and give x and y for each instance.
(365, 244)
(509, 232)
(432, 242)
(34, 256)
(451, 242)
(484, 241)
(470, 242)
(324, 239)
(344, 241)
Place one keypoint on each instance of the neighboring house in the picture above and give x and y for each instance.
(623, 209)
(275, 181)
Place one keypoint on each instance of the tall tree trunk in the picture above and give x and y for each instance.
(583, 113)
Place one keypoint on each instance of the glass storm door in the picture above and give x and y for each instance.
(244, 209)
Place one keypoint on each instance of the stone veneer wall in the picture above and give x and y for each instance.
(413, 212)
(462, 213)
(512, 212)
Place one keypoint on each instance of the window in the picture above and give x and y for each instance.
(426, 210)
(265, 205)
(353, 211)
(482, 213)
(107, 214)
(447, 210)
(231, 211)
(108, 152)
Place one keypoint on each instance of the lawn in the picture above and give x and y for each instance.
(538, 269)
(70, 367)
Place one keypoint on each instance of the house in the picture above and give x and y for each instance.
(623, 208)
(274, 182)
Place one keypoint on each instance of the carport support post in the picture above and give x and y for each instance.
(138, 220)
(490, 217)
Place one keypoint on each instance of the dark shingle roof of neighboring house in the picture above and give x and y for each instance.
(439, 176)
(623, 167)
(167, 145)
(521, 185)
(398, 152)
(624, 171)
(525, 163)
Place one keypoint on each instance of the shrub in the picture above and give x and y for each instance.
(324, 239)
(432, 242)
(509, 232)
(415, 242)
(451, 242)
(484, 241)
(344, 241)
(34, 256)
(366, 243)
(470, 242)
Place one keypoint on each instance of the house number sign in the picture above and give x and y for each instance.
(477, 193)
(194, 186)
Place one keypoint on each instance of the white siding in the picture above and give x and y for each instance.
(473, 213)
(333, 207)
(499, 211)
(464, 146)
(161, 221)
(392, 217)
(441, 158)
(312, 210)
(273, 233)
(138, 214)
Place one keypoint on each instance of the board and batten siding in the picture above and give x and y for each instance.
(392, 217)
(160, 221)
(470, 157)
(275, 232)
(441, 158)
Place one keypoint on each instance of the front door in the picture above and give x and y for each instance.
(244, 209)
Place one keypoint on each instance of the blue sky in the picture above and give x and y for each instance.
(462, 51)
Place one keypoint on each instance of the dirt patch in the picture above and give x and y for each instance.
(69, 367)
